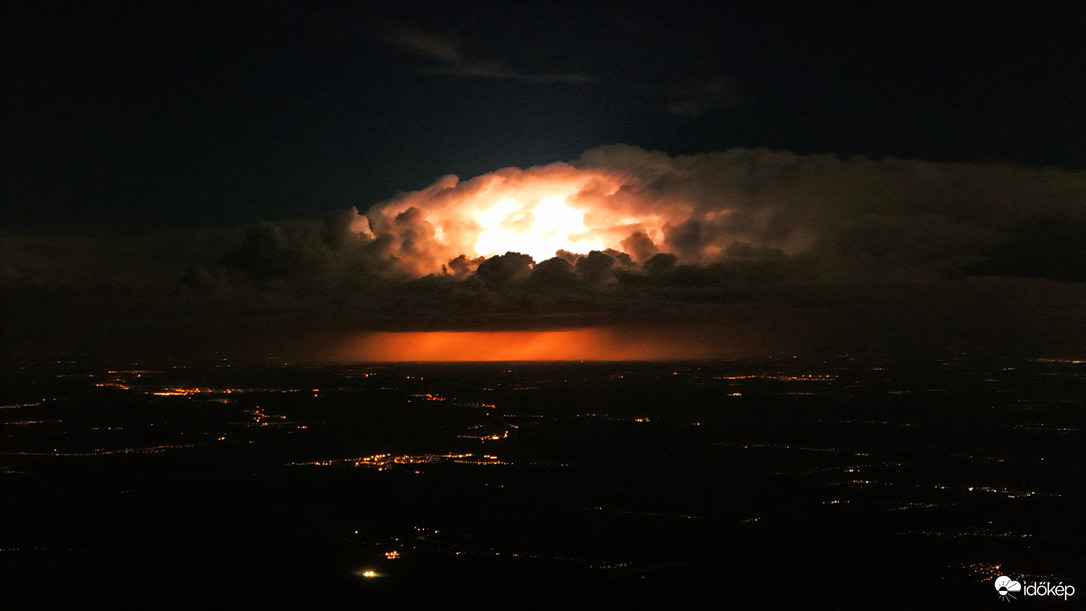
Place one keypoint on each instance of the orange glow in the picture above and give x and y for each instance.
(566, 345)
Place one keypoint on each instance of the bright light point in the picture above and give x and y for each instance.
(369, 574)
(539, 230)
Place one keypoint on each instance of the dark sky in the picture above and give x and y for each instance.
(178, 176)
(205, 112)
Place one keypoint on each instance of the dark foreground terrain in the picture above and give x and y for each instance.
(840, 484)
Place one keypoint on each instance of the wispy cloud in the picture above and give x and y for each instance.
(696, 98)
(447, 57)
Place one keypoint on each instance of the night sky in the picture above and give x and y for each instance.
(179, 172)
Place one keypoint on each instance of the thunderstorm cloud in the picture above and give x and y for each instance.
(755, 250)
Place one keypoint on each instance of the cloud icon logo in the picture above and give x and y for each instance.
(1005, 586)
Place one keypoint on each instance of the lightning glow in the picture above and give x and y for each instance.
(539, 212)
(539, 229)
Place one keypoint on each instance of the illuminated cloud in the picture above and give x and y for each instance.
(910, 216)
(538, 211)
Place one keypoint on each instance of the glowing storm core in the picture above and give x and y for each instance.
(538, 229)
(536, 212)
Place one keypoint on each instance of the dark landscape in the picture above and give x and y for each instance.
(831, 484)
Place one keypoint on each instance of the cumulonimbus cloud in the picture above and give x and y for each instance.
(753, 247)
(845, 250)
(900, 216)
